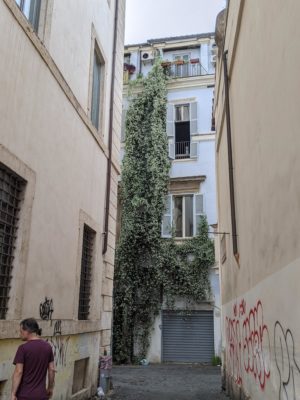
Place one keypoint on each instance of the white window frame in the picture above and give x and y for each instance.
(96, 48)
(184, 195)
(181, 55)
(189, 112)
(195, 210)
(171, 214)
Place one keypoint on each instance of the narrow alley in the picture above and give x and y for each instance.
(167, 382)
(149, 197)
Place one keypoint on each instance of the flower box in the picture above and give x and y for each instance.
(165, 64)
(179, 62)
(194, 60)
(129, 67)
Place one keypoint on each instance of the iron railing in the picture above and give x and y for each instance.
(182, 150)
(11, 187)
(185, 70)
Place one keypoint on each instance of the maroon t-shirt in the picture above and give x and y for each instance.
(35, 355)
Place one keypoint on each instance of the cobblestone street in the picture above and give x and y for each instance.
(167, 382)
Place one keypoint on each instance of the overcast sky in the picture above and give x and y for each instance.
(150, 19)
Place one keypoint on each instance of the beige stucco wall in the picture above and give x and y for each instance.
(66, 349)
(46, 137)
(261, 336)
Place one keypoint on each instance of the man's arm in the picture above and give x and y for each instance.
(51, 379)
(16, 380)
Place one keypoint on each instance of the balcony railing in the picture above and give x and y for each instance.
(182, 150)
(185, 70)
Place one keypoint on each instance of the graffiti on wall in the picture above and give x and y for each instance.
(286, 364)
(46, 309)
(59, 345)
(248, 344)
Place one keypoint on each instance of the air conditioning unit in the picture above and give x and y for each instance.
(147, 55)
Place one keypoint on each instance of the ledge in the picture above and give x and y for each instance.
(178, 83)
(10, 329)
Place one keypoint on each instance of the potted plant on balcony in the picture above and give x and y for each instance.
(166, 63)
(130, 68)
(194, 60)
(178, 62)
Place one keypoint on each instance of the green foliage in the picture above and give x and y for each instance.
(216, 361)
(185, 266)
(147, 266)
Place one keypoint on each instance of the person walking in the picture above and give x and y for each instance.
(32, 362)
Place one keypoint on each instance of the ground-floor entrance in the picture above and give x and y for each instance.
(188, 336)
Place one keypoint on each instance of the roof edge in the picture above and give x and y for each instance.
(172, 38)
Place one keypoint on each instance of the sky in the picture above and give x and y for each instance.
(151, 19)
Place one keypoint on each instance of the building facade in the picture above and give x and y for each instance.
(257, 124)
(190, 63)
(60, 120)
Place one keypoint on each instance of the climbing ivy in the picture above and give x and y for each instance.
(147, 267)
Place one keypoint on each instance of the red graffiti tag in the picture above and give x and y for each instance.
(248, 344)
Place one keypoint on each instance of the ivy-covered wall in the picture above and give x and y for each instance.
(149, 268)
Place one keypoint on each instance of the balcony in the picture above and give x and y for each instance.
(182, 150)
(128, 69)
(184, 69)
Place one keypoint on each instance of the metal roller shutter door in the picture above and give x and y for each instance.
(187, 338)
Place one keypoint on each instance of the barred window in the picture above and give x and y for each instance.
(86, 272)
(11, 190)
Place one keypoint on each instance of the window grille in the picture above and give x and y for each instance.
(86, 272)
(11, 188)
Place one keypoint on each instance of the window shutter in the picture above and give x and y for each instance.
(172, 151)
(166, 226)
(199, 210)
(170, 120)
(95, 107)
(194, 149)
(34, 14)
(193, 118)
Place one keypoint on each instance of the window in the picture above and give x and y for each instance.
(182, 113)
(2, 385)
(86, 272)
(11, 190)
(181, 126)
(79, 376)
(182, 131)
(182, 213)
(96, 89)
(183, 216)
(31, 9)
(182, 65)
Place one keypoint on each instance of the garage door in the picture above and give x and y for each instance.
(187, 337)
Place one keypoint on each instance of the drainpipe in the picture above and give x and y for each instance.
(230, 162)
(110, 130)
